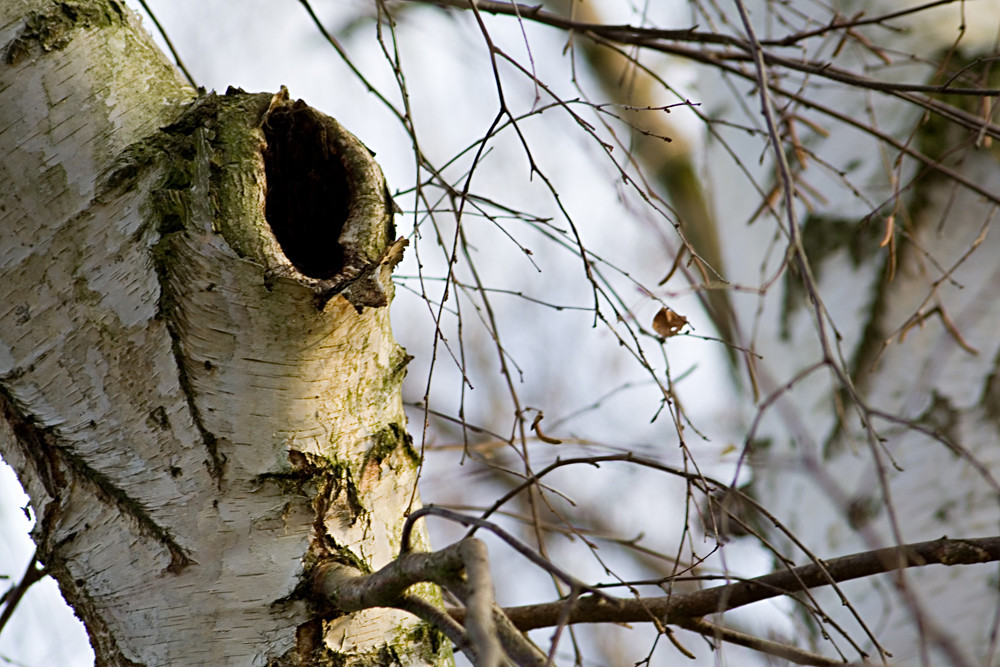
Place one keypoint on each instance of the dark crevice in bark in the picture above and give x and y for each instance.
(41, 446)
(164, 252)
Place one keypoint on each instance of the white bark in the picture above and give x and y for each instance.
(819, 471)
(193, 426)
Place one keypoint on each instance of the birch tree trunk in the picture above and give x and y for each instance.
(901, 446)
(198, 381)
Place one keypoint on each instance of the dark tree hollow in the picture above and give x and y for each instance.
(308, 192)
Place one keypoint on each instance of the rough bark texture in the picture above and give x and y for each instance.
(199, 385)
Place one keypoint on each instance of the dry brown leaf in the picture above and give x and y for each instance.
(667, 323)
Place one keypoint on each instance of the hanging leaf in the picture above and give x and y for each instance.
(667, 323)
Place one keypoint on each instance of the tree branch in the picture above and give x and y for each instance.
(658, 40)
(678, 609)
(777, 649)
(462, 568)
(32, 574)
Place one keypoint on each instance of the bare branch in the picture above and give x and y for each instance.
(777, 649)
(675, 609)
(32, 574)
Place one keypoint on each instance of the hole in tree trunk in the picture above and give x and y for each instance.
(308, 194)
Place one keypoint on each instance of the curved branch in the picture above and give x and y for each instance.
(484, 634)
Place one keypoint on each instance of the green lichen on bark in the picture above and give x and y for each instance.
(389, 440)
(53, 28)
(421, 640)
